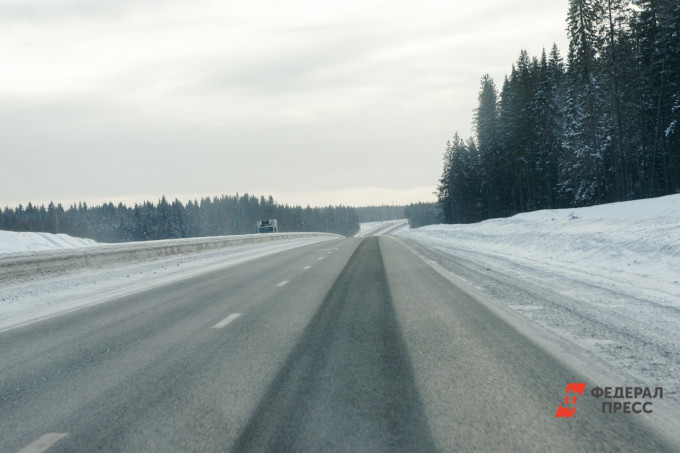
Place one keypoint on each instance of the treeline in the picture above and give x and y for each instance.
(603, 126)
(418, 214)
(380, 213)
(422, 214)
(223, 215)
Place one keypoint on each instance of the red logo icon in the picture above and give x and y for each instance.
(573, 393)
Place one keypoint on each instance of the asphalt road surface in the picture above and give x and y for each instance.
(345, 345)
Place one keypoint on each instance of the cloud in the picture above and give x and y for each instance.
(209, 96)
(32, 11)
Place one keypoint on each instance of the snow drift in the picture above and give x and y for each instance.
(632, 246)
(11, 242)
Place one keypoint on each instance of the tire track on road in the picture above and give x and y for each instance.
(348, 385)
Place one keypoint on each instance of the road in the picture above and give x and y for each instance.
(383, 228)
(345, 345)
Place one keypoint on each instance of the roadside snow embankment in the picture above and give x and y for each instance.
(11, 242)
(600, 286)
(631, 247)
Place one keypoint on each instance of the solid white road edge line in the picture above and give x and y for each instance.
(42, 444)
(226, 320)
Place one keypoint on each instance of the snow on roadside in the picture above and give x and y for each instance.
(630, 247)
(11, 242)
(600, 284)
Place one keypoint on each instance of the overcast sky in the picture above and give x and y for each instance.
(313, 102)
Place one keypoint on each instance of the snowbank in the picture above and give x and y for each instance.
(651, 208)
(630, 245)
(11, 242)
(598, 286)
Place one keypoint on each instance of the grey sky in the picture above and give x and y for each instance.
(312, 102)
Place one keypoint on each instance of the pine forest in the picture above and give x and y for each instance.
(218, 216)
(602, 125)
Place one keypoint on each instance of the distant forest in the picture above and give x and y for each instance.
(380, 213)
(223, 215)
(604, 126)
(422, 214)
(418, 214)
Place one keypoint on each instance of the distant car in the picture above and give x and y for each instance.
(267, 226)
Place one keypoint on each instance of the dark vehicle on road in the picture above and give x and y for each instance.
(267, 226)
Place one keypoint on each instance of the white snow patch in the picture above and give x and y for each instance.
(650, 208)
(11, 242)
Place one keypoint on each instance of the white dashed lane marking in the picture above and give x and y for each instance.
(42, 444)
(283, 283)
(226, 320)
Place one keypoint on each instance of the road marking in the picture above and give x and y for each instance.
(226, 320)
(306, 267)
(283, 283)
(42, 444)
(330, 253)
(320, 258)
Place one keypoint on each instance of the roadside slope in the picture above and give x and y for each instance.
(16, 242)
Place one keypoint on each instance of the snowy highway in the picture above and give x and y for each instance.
(341, 345)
